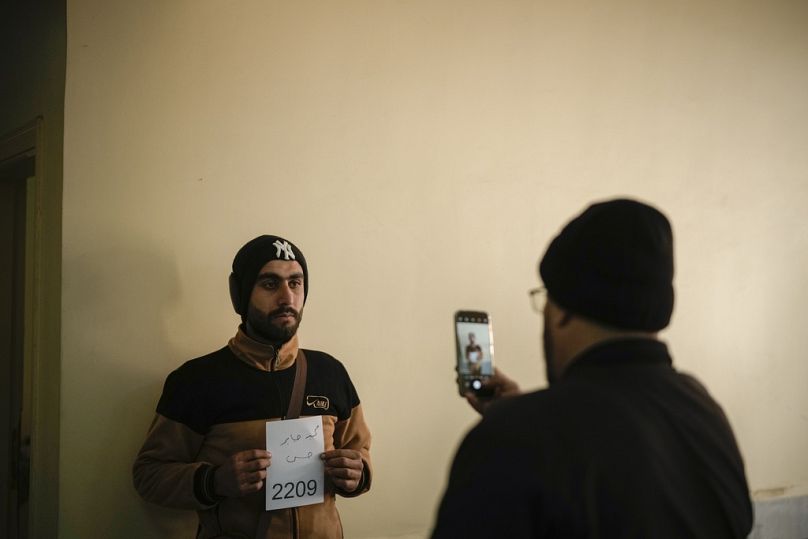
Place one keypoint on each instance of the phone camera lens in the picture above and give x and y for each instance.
(476, 384)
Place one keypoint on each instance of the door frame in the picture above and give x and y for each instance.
(42, 330)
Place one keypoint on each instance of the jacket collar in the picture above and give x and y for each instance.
(625, 352)
(265, 357)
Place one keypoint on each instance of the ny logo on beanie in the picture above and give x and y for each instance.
(285, 248)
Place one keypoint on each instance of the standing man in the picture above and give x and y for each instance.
(474, 354)
(621, 444)
(206, 448)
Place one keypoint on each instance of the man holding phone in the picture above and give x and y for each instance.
(620, 444)
(206, 448)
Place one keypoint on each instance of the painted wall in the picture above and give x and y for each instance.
(421, 154)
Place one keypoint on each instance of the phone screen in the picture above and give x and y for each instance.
(475, 350)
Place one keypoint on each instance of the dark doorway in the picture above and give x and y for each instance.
(15, 376)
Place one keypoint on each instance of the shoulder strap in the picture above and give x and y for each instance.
(296, 401)
(295, 407)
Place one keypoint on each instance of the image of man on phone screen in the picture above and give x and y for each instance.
(474, 355)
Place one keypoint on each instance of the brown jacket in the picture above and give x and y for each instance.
(217, 405)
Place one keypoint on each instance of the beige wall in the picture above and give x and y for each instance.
(421, 154)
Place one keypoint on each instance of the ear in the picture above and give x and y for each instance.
(566, 318)
(562, 317)
(235, 296)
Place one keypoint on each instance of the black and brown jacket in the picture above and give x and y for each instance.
(217, 405)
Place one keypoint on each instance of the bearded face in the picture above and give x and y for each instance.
(549, 361)
(276, 302)
(277, 326)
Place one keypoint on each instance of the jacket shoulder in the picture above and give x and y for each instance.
(185, 388)
(204, 363)
(327, 376)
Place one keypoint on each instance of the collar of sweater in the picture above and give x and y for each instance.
(265, 357)
(625, 352)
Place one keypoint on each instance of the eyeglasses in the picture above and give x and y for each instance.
(538, 298)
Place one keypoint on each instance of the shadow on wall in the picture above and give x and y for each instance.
(117, 355)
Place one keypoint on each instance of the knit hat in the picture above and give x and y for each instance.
(614, 264)
(251, 258)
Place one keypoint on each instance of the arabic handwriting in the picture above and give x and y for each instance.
(292, 459)
(297, 437)
(291, 437)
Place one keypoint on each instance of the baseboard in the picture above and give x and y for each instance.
(781, 514)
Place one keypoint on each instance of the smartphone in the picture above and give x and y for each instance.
(474, 342)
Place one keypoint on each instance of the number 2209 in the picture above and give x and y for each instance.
(289, 490)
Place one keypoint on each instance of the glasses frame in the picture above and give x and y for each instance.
(538, 299)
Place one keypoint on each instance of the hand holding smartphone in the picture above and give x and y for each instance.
(474, 341)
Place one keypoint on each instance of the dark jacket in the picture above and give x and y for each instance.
(621, 446)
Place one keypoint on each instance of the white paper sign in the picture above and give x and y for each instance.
(296, 475)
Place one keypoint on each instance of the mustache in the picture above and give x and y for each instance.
(282, 311)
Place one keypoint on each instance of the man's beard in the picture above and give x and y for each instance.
(548, 355)
(263, 324)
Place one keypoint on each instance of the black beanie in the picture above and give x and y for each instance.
(251, 258)
(614, 264)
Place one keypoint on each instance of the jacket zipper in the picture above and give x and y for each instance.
(273, 362)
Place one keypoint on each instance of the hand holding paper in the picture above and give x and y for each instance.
(344, 467)
(243, 473)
